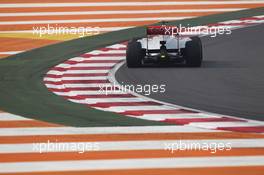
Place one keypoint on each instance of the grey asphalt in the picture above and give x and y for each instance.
(230, 81)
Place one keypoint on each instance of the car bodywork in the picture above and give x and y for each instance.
(163, 44)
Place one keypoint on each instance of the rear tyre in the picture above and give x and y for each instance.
(193, 52)
(134, 54)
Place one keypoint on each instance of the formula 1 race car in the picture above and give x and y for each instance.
(164, 45)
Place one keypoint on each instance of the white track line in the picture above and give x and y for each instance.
(159, 117)
(133, 108)
(133, 145)
(92, 20)
(113, 164)
(10, 52)
(97, 52)
(108, 100)
(10, 117)
(85, 71)
(18, 5)
(87, 92)
(76, 85)
(100, 130)
(78, 71)
(80, 59)
(246, 21)
(87, 85)
(214, 125)
(118, 12)
(74, 93)
(86, 65)
(76, 78)
(117, 46)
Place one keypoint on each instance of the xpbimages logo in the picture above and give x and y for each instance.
(183, 145)
(79, 147)
(212, 31)
(145, 89)
(62, 30)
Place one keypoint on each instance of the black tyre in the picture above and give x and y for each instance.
(193, 54)
(134, 54)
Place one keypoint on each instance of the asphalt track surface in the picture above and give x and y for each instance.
(230, 82)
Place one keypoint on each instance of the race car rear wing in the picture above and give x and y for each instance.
(162, 30)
